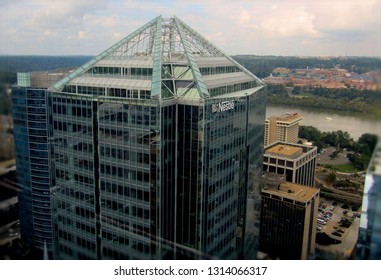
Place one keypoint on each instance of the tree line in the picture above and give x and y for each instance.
(360, 151)
(365, 102)
(262, 66)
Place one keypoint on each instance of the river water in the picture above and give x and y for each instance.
(329, 120)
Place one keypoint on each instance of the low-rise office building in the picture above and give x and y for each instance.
(288, 223)
(297, 162)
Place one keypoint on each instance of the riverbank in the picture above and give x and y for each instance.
(356, 108)
(329, 120)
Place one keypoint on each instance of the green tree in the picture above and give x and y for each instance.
(297, 90)
(334, 154)
(331, 178)
(310, 133)
(343, 139)
(330, 138)
(320, 145)
(366, 143)
(360, 162)
(279, 90)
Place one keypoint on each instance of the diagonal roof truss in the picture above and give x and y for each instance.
(173, 50)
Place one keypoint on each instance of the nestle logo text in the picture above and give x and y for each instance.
(222, 106)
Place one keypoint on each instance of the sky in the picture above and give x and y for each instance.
(271, 27)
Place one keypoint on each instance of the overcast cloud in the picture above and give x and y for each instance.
(294, 27)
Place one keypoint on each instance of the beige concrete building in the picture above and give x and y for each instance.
(40, 79)
(295, 161)
(288, 221)
(283, 128)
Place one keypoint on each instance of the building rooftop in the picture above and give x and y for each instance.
(40, 79)
(183, 65)
(285, 150)
(288, 117)
(293, 191)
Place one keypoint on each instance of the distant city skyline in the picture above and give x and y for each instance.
(286, 28)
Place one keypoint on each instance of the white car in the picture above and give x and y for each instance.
(320, 221)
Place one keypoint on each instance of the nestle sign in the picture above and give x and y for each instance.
(222, 106)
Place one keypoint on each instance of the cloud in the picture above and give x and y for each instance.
(240, 26)
(50, 34)
(347, 15)
(295, 22)
(245, 19)
(62, 14)
(110, 21)
(81, 35)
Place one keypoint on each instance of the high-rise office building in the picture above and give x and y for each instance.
(297, 162)
(32, 159)
(156, 150)
(288, 221)
(369, 240)
(284, 128)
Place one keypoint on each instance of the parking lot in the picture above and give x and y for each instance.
(9, 232)
(324, 157)
(342, 225)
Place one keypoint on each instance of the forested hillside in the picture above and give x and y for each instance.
(39, 63)
(263, 65)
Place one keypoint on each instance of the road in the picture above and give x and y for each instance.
(339, 193)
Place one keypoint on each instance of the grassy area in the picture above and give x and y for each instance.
(345, 168)
(305, 94)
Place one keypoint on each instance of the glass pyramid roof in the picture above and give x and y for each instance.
(166, 58)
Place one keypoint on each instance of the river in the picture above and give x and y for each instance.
(328, 120)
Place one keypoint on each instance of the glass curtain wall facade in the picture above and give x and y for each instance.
(153, 145)
(32, 161)
(369, 240)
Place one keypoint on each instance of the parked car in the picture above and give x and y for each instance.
(346, 223)
(336, 233)
(321, 222)
(13, 234)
